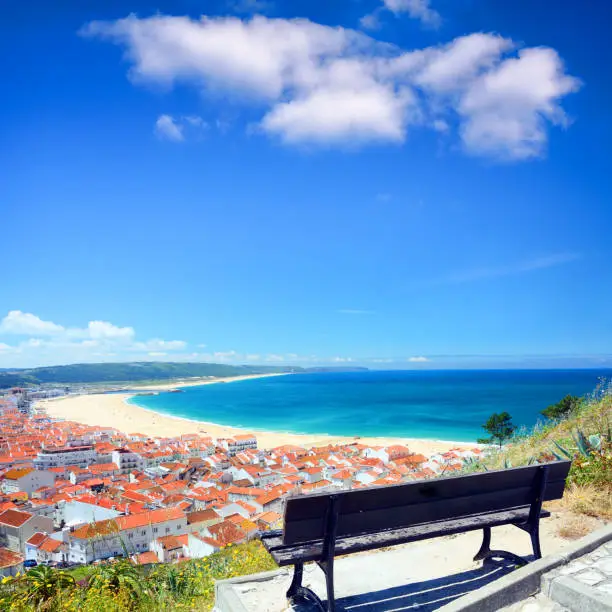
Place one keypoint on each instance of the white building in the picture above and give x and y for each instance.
(27, 480)
(127, 460)
(134, 533)
(239, 443)
(81, 456)
(74, 513)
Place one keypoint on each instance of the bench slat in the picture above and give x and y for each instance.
(379, 508)
(312, 551)
(403, 516)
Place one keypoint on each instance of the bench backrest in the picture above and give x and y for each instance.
(374, 509)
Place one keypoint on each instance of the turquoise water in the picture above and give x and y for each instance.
(443, 405)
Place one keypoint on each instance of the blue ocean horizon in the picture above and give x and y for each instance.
(427, 404)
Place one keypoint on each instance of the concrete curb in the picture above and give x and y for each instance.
(526, 581)
(228, 600)
(576, 596)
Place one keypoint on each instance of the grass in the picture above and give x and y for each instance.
(589, 491)
(121, 586)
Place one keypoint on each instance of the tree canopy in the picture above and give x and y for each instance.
(500, 427)
(563, 408)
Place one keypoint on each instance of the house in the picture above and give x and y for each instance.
(342, 479)
(269, 520)
(270, 502)
(397, 451)
(73, 513)
(170, 548)
(312, 475)
(27, 480)
(199, 520)
(239, 443)
(16, 528)
(134, 533)
(11, 562)
(376, 452)
(236, 508)
(44, 548)
(199, 546)
(126, 460)
(226, 533)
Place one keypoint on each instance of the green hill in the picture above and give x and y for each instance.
(128, 372)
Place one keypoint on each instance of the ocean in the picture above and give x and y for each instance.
(441, 405)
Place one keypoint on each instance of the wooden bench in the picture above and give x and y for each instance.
(323, 526)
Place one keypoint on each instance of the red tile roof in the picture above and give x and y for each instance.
(226, 533)
(8, 558)
(37, 539)
(14, 518)
(132, 521)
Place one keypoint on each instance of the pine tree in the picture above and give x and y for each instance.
(500, 427)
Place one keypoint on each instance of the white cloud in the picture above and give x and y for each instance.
(101, 330)
(156, 345)
(167, 128)
(416, 9)
(419, 359)
(507, 110)
(521, 267)
(370, 22)
(195, 120)
(51, 343)
(27, 324)
(178, 129)
(335, 86)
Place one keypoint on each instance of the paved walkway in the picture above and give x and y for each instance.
(582, 584)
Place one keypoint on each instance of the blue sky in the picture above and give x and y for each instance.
(395, 183)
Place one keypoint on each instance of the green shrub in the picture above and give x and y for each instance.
(120, 586)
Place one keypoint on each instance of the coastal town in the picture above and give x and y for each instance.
(73, 494)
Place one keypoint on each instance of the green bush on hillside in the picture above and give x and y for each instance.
(121, 586)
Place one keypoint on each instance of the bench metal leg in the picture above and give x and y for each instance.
(297, 591)
(485, 546)
(535, 541)
(328, 570)
(296, 583)
(485, 551)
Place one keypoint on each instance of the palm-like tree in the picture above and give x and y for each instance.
(44, 582)
(118, 576)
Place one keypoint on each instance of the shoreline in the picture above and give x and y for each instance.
(114, 410)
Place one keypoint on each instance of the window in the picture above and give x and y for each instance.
(144, 532)
(167, 529)
(154, 529)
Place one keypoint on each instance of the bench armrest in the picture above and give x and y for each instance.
(275, 533)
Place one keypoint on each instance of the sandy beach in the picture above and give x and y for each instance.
(112, 410)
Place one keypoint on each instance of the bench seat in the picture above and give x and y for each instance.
(289, 554)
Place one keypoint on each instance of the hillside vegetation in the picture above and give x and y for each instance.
(88, 373)
(584, 435)
(122, 586)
